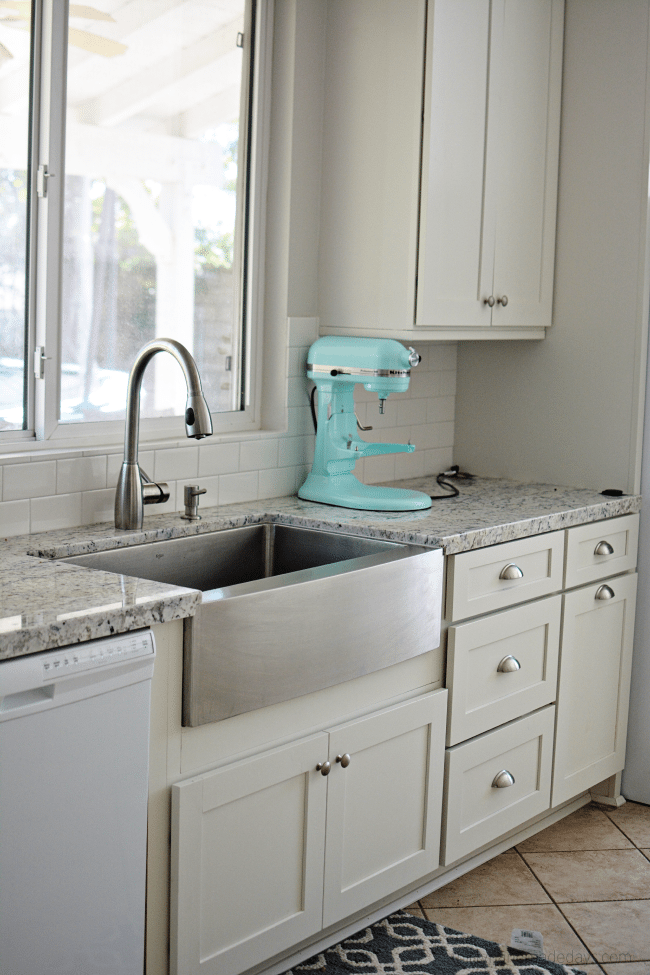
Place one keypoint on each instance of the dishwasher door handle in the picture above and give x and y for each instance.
(22, 702)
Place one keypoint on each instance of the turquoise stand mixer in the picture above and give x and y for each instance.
(336, 365)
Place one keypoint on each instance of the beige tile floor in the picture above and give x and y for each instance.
(583, 883)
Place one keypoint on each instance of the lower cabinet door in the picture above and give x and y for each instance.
(594, 685)
(496, 782)
(384, 803)
(247, 860)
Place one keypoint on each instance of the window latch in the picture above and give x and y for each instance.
(42, 176)
(39, 361)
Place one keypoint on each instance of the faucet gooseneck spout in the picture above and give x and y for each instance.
(131, 493)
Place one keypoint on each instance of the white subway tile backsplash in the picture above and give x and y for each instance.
(409, 465)
(238, 487)
(441, 409)
(411, 412)
(80, 474)
(34, 480)
(443, 383)
(61, 511)
(219, 458)
(294, 451)
(436, 461)
(172, 463)
(97, 506)
(14, 518)
(432, 435)
(277, 483)
(255, 455)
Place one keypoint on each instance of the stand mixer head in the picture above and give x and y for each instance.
(336, 365)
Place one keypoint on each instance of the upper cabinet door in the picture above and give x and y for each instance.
(490, 161)
(452, 200)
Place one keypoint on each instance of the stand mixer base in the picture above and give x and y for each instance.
(345, 491)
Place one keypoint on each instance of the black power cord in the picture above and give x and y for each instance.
(453, 492)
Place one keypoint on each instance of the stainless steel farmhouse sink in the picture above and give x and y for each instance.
(287, 610)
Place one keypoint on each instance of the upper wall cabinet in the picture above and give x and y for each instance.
(440, 162)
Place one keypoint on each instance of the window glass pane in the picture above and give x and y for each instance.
(151, 220)
(15, 43)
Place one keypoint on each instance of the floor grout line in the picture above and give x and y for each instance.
(567, 904)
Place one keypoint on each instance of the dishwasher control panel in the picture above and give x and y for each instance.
(54, 676)
(97, 653)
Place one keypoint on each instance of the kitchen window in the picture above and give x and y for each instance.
(131, 167)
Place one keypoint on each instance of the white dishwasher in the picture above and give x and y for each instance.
(74, 757)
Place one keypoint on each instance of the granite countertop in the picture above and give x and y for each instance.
(46, 604)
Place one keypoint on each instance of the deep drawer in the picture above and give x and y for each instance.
(502, 575)
(601, 549)
(477, 811)
(501, 667)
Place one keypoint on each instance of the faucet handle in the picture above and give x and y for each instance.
(153, 492)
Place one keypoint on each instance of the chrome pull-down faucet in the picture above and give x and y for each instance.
(131, 494)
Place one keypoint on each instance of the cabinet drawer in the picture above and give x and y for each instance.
(502, 575)
(484, 690)
(477, 811)
(601, 549)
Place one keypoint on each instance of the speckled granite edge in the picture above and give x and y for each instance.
(45, 604)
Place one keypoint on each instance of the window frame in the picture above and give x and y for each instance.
(45, 243)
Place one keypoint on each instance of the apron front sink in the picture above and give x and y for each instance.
(287, 611)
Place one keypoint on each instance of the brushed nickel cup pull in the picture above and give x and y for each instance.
(603, 548)
(604, 592)
(489, 301)
(508, 665)
(503, 300)
(324, 768)
(511, 571)
(503, 779)
(344, 760)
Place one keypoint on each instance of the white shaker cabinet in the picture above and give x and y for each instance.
(269, 850)
(440, 165)
(594, 685)
(489, 180)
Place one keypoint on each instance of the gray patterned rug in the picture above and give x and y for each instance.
(403, 944)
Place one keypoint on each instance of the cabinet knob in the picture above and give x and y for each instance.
(508, 665)
(605, 592)
(503, 300)
(344, 760)
(511, 571)
(503, 779)
(603, 548)
(324, 768)
(489, 301)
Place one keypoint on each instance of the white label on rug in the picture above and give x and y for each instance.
(528, 941)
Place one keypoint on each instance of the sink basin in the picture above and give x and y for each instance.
(287, 610)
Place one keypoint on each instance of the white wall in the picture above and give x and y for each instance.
(568, 410)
